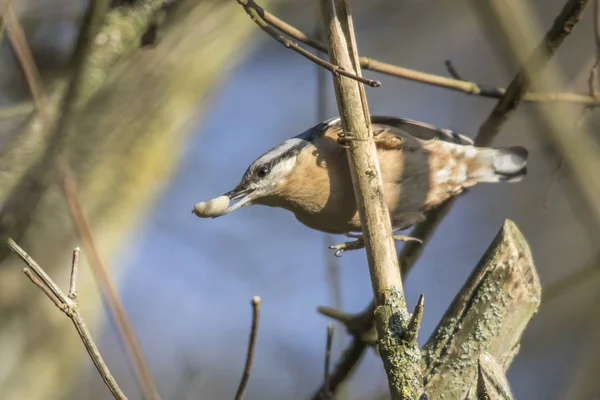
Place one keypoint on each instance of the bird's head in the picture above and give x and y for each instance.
(267, 179)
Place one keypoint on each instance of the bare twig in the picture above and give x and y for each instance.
(326, 394)
(561, 28)
(74, 270)
(451, 70)
(391, 316)
(17, 36)
(344, 367)
(423, 77)
(68, 305)
(107, 287)
(251, 346)
(251, 9)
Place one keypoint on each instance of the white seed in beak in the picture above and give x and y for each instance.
(211, 208)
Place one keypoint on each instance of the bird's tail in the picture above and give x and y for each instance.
(506, 164)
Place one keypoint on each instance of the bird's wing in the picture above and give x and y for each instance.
(421, 130)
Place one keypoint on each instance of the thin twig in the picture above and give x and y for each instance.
(70, 308)
(74, 270)
(17, 37)
(459, 85)
(344, 366)
(539, 58)
(326, 392)
(451, 70)
(250, 8)
(107, 287)
(241, 391)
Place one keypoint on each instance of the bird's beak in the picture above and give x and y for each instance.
(221, 205)
(242, 198)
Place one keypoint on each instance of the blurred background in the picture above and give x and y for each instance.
(179, 122)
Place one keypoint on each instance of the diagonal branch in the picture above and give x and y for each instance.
(251, 8)
(17, 37)
(68, 305)
(107, 287)
(560, 29)
(456, 84)
(489, 314)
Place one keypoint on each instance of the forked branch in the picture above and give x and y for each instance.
(69, 306)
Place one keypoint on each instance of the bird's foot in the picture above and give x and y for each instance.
(404, 238)
(389, 142)
(359, 243)
(345, 138)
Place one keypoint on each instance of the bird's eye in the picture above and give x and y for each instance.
(262, 171)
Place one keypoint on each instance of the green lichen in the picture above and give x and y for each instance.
(401, 358)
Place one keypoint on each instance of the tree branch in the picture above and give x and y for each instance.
(459, 85)
(489, 315)
(241, 391)
(110, 294)
(68, 186)
(560, 29)
(68, 305)
(251, 8)
(411, 251)
(25, 174)
(400, 358)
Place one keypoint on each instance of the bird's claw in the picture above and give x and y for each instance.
(345, 138)
(359, 243)
(403, 238)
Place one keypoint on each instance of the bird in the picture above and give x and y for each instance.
(421, 167)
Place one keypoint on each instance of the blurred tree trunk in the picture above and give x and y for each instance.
(127, 143)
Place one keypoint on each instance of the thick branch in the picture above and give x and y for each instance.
(424, 230)
(400, 358)
(489, 315)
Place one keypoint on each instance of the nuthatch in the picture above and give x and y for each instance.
(421, 166)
